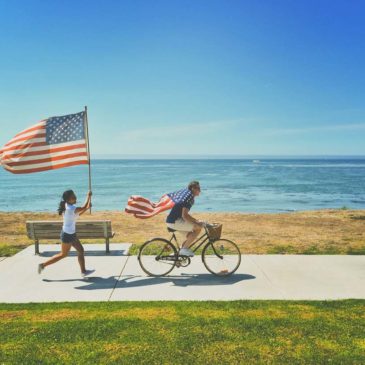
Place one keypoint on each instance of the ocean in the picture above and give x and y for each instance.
(235, 185)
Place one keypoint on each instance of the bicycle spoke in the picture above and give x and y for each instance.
(222, 257)
(157, 257)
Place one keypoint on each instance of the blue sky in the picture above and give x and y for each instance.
(189, 77)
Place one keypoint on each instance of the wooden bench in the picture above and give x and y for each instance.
(43, 230)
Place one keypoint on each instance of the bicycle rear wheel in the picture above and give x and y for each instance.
(157, 257)
(221, 257)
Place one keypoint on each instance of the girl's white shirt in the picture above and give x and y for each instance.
(69, 219)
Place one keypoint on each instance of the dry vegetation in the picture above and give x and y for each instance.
(313, 232)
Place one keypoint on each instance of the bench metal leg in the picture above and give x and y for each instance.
(36, 246)
(107, 245)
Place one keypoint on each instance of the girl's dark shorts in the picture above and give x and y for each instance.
(68, 238)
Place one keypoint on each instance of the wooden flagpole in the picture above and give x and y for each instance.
(86, 126)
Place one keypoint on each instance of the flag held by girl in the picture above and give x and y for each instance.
(52, 143)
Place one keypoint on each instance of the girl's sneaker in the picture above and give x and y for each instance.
(87, 273)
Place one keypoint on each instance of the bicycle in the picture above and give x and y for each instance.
(158, 256)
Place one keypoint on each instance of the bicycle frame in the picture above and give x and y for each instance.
(203, 238)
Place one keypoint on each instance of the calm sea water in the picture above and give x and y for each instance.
(227, 185)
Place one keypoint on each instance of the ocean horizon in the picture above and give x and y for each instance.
(222, 157)
(253, 184)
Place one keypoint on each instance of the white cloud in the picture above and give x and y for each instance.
(328, 128)
(172, 131)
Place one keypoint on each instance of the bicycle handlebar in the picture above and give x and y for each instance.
(207, 224)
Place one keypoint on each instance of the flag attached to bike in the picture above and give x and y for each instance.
(52, 143)
(144, 208)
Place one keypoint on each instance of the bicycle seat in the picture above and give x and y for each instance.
(171, 229)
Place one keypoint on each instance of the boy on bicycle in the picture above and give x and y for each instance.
(179, 218)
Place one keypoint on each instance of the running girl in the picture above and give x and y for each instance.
(70, 213)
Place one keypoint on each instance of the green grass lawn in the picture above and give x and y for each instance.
(8, 250)
(239, 332)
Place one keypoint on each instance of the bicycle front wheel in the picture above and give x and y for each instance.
(221, 257)
(157, 257)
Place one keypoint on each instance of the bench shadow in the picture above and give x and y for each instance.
(87, 253)
(133, 281)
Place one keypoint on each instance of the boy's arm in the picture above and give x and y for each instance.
(187, 217)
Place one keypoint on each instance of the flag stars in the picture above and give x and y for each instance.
(65, 129)
(183, 196)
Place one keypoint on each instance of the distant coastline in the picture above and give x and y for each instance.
(223, 157)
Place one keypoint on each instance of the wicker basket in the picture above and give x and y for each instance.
(214, 231)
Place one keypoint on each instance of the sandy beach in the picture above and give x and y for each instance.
(310, 232)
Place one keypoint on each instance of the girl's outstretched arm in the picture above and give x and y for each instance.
(86, 205)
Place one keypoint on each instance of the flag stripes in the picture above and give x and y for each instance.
(50, 144)
(143, 208)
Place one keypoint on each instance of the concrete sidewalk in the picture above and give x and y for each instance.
(118, 277)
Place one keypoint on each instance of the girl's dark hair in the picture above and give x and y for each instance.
(65, 196)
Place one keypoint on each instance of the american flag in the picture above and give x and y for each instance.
(51, 144)
(143, 208)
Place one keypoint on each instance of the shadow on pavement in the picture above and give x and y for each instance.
(87, 253)
(183, 280)
(91, 283)
(132, 281)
